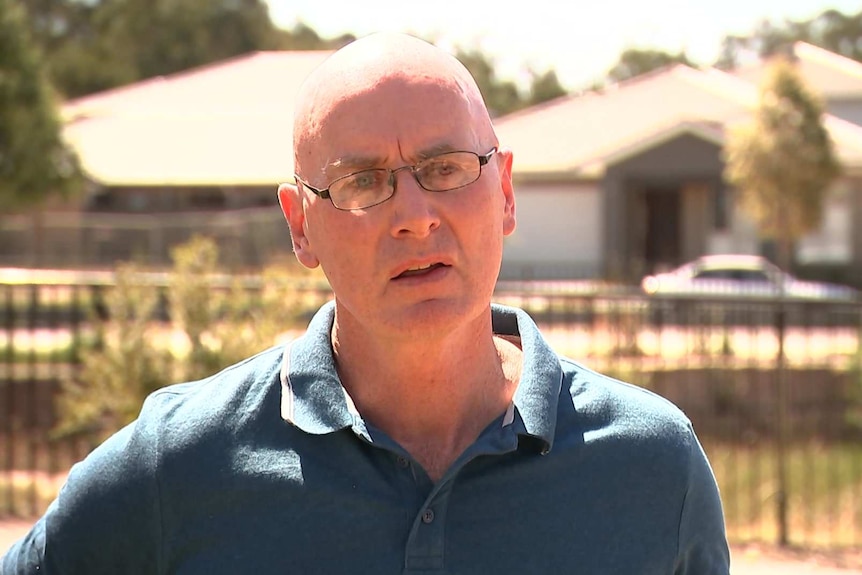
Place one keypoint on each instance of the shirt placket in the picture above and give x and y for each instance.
(426, 540)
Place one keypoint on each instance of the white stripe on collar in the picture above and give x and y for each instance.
(510, 415)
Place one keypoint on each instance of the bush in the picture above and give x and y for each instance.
(212, 321)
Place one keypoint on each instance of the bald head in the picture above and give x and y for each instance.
(372, 65)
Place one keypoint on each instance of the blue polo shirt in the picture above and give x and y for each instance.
(266, 467)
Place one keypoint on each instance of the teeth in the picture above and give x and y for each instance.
(418, 268)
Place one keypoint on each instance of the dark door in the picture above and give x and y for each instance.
(662, 249)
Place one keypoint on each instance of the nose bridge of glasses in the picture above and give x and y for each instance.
(393, 175)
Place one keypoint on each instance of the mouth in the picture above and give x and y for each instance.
(420, 270)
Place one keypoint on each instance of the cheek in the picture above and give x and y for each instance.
(341, 245)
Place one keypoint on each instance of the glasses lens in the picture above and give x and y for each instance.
(448, 171)
(361, 190)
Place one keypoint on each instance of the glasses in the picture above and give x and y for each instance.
(368, 188)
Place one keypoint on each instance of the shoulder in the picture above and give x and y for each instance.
(613, 408)
(218, 398)
(125, 476)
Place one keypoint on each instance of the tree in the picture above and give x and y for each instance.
(95, 45)
(783, 161)
(34, 162)
(544, 87)
(212, 324)
(634, 62)
(832, 30)
(501, 96)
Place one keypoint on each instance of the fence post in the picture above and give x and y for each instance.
(781, 423)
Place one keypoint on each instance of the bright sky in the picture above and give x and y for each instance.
(580, 40)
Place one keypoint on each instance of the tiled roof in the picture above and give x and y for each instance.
(832, 75)
(574, 132)
(579, 136)
(229, 123)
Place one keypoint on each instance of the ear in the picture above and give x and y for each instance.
(508, 188)
(290, 200)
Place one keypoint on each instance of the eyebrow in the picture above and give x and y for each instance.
(353, 163)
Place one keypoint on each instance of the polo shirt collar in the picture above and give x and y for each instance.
(314, 400)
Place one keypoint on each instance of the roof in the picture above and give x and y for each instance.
(834, 76)
(229, 123)
(580, 136)
(575, 132)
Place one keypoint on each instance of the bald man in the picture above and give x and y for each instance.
(415, 427)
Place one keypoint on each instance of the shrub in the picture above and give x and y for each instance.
(212, 321)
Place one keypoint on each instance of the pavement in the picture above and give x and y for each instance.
(745, 560)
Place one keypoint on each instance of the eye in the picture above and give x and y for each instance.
(441, 168)
(366, 179)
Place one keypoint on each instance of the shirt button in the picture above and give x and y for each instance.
(402, 462)
(428, 516)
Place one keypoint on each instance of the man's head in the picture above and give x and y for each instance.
(386, 102)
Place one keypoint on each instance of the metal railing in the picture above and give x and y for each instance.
(789, 471)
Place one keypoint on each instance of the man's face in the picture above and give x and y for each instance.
(422, 262)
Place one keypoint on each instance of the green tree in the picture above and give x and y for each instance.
(95, 45)
(213, 321)
(122, 369)
(783, 161)
(634, 62)
(501, 96)
(544, 87)
(832, 30)
(34, 161)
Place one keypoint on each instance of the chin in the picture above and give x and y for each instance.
(436, 317)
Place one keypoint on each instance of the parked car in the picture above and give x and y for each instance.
(743, 277)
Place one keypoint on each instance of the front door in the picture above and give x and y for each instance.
(662, 242)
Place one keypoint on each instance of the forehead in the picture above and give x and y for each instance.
(398, 116)
(387, 98)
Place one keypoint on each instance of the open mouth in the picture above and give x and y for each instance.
(420, 270)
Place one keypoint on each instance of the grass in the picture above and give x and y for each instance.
(824, 484)
(27, 494)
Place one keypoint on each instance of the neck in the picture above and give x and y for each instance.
(432, 395)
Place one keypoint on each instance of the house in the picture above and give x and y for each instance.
(200, 151)
(612, 183)
(628, 180)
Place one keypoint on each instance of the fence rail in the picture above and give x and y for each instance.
(800, 480)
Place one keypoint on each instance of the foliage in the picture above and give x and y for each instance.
(831, 30)
(96, 45)
(100, 44)
(544, 87)
(503, 96)
(34, 162)
(634, 62)
(213, 322)
(783, 161)
(123, 368)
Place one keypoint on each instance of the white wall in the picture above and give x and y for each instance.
(831, 243)
(558, 232)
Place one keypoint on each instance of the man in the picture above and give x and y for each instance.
(414, 428)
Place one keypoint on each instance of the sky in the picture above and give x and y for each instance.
(580, 40)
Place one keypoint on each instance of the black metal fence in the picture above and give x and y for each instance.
(784, 438)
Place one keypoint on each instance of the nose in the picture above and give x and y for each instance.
(414, 210)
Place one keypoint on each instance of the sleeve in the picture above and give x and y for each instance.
(106, 518)
(702, 544)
